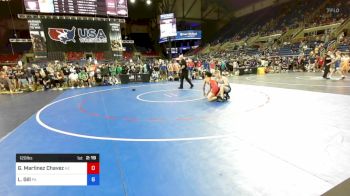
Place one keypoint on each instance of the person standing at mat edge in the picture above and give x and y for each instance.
(184, 72)
(327, 65)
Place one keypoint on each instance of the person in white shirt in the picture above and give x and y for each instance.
(73, 78)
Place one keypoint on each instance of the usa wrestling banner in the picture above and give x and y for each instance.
(77, 35)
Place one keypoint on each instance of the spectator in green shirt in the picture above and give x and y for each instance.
(119, 69)
(83, 78)
(113, 74)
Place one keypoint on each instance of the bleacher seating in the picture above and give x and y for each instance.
(239, 27)
(290, 20)
(74, 56)
(100, 56)
(285, 51)
(253, 52)
(150, 54)
(127, 55)
(343, 48)
(280, 18)
(7, 59)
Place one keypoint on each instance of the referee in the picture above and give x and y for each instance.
(328, 63)
(184, 72)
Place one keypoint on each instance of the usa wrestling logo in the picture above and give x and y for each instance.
(85, 35)
(62, 35)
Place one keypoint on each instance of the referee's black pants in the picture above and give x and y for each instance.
(326, 71)
(183, 76)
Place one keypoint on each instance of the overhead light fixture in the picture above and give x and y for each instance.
(132, 1)
(148, 2)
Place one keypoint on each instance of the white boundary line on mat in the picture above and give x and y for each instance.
(174, 101)
(38, 119)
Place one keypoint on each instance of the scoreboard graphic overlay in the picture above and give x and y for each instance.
(57, 169)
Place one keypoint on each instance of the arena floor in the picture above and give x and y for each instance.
(280, 134)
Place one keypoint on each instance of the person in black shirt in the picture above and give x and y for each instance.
(98, 76)
(328, 63)
(125, 69)
(65, 70)
(184, 72)
(105, 74)
(22, 79)
(38, 80)
(29, 74)
(47, 79)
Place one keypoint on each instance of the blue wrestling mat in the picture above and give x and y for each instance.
(154, 140)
